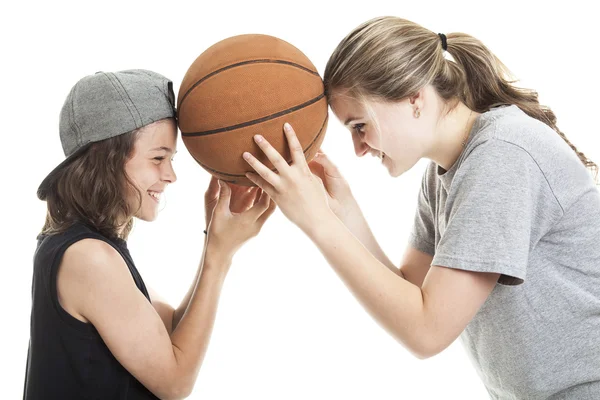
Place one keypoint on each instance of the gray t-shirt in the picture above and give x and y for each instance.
(520, 203)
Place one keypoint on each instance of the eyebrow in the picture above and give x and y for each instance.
(350, 119)
(167, 149)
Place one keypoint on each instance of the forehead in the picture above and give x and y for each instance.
(345, 106)
(158, 134)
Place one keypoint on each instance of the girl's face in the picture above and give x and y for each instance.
(150, 167)
(388, 130)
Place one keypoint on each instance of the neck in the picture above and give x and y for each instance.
(121, 229)
(452, 131)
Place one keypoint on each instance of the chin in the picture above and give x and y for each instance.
(394, 170)
(395, 174)
(148, 218)
(147, 215)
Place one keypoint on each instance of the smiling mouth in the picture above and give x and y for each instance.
(154, 196)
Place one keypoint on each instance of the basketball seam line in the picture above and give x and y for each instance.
(255, 121)
(272, 169)
(259, 61)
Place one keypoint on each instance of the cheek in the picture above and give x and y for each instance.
(374, 138)
(144, 176)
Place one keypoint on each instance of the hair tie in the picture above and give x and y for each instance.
(444, 41)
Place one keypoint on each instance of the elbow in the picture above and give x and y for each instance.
(424, 354)
(426, 345)
(174, 386)
(176, 391)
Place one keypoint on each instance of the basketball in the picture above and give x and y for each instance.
(243, 86)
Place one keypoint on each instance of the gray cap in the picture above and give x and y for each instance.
(109, 104)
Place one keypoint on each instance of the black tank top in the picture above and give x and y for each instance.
(67, 358)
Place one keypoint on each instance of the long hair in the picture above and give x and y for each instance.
(390, 59)
(94, 189)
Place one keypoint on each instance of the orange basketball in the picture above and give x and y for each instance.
(243, 86)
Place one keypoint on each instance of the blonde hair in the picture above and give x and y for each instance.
(390, 59)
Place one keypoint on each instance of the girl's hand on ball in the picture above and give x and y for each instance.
(242, 198)
(298, 192)
(339, 196)
(238, 215)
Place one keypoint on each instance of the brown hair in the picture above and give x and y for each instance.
(94, 188)
(390, 59)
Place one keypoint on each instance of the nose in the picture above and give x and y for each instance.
(360, 148)
(168, 174)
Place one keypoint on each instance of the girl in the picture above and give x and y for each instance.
(96, 330)
(504, 248)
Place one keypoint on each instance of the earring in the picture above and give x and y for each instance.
(417, 113)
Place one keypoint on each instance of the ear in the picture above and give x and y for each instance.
(417, 98)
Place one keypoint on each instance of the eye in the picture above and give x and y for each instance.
(358, 128)
(159, 158)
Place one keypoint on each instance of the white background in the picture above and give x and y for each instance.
(286, 326)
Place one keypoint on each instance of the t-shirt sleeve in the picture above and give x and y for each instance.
(422, 236)
(498, 206)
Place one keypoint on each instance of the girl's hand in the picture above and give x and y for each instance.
(299, 193)
(339, 196)
(242, 198)
(229, 230)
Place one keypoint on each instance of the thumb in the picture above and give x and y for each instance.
(213, 189)
(329, 167)
(224, 195)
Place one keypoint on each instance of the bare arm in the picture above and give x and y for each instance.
(357, 224)
(95, 285)
(415, 265)
(424, 319)
(242, 198)
(179, 311)
(162, 308)
(130, 326)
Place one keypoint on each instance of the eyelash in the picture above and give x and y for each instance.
(358, 129)
(160, 158)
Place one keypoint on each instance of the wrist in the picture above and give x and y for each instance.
(321, 225)
(349, 211)
(216, 260)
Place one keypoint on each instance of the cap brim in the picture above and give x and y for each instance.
(49, 180)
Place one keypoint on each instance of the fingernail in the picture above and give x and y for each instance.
(258, 138)
(246, 155)
(287, 126)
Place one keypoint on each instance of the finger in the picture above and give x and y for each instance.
(263, 203)
(239, 198)
(250, 198)
(316, 168)
(329, 167)
(295, 146)
(265, 215)
(273, 155)
(224, 197)
(213, 189)
(261, 183)
(265, 173)
(257, 194)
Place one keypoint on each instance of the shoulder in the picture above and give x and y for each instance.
(511, 142)
(87, 271)
(429, 180)
(89, 263)
(496, 162)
